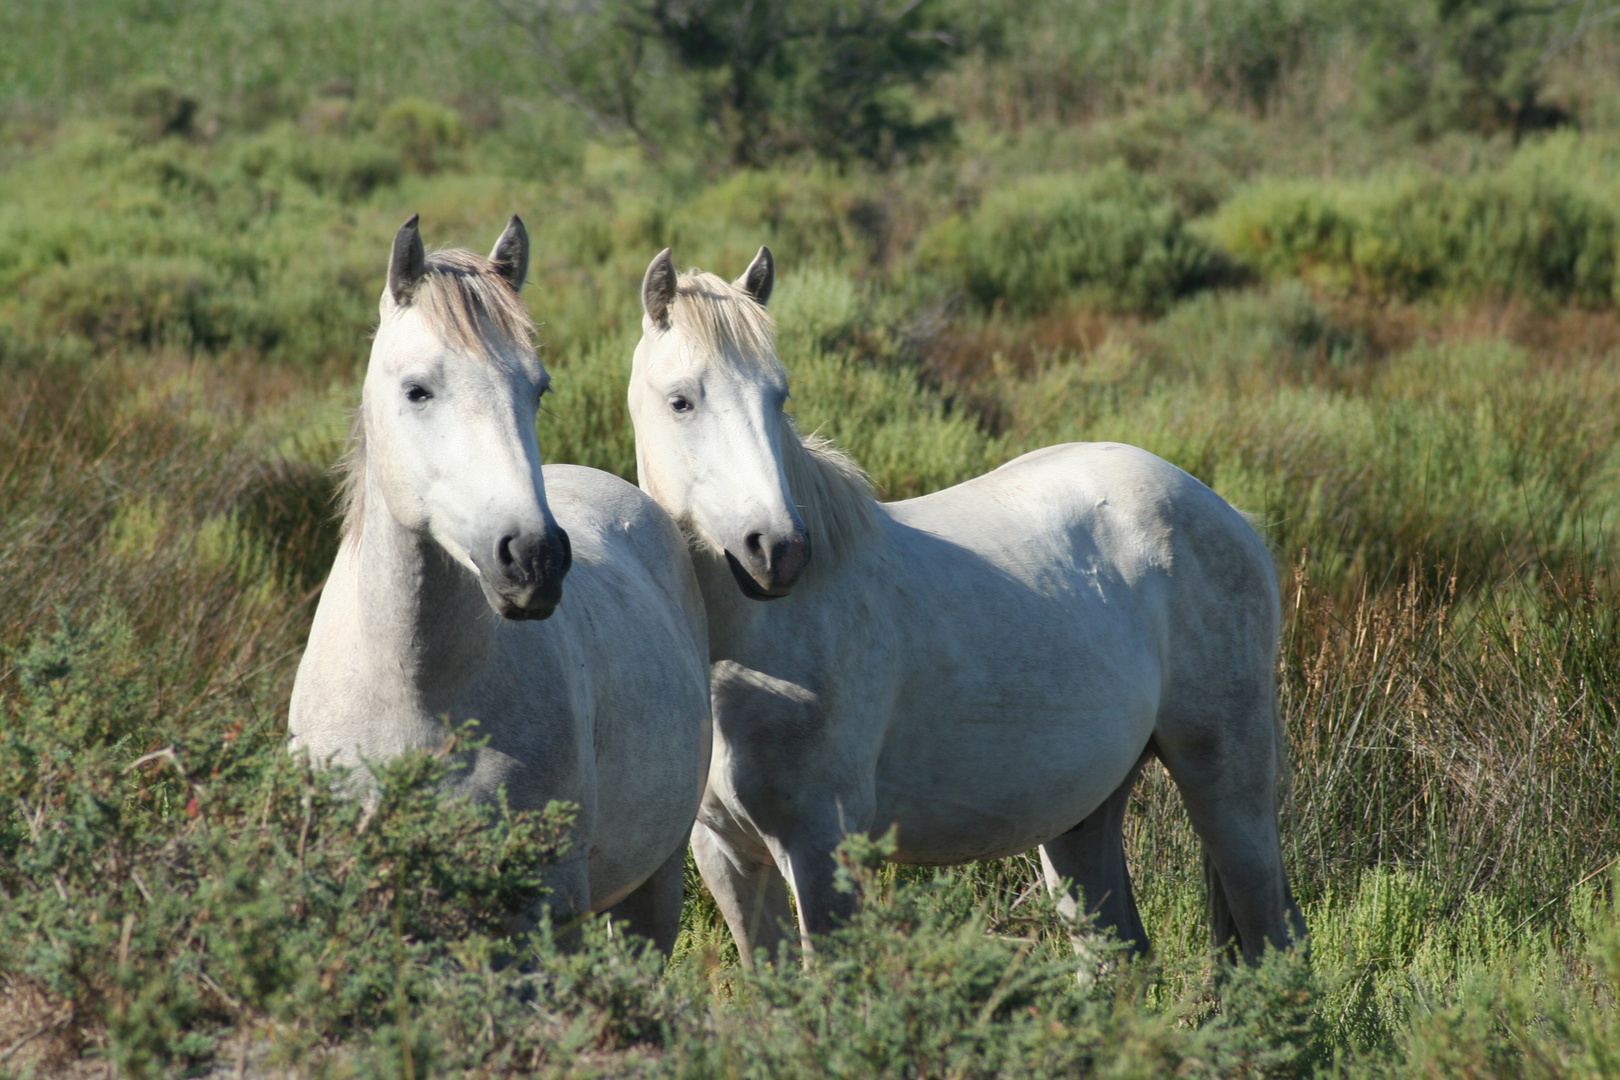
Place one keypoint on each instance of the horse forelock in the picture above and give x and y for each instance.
(713, 319)
(718, 323)
(463, 300)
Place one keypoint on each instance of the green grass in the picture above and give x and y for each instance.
(1162, 223)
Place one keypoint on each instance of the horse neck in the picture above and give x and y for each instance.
(422, 620)
(834, 498)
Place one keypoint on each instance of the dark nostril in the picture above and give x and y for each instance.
(503, 552)
(756, 546)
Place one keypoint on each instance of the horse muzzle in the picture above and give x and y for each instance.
(770, 569)
(526, 579)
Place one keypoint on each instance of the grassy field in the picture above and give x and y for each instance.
(1379, 312)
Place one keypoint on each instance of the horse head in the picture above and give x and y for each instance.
(713, 445)
(448, 418)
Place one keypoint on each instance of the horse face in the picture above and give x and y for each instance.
(708, 450)
(452, 439)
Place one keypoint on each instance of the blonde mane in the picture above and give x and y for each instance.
(464, 301)
(833, 493)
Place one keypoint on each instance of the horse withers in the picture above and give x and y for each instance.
(986, 668)
(555, 606)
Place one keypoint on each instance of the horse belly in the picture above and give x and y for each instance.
(984, 787)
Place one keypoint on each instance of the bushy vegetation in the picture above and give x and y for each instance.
(1544, 228)
(1324, 256)
(1106, 237)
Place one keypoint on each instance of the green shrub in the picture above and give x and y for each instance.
(427, 135)
(1530, 230)
(1106, 237)
(346, 167)
(769, 78)
(166, 884)
(143, 302)
(1438, 65)
(804, 215)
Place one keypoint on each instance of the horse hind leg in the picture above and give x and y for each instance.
(1228, 775)
(1092, 856)
(653, 910)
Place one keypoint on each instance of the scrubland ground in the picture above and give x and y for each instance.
(1353, 266)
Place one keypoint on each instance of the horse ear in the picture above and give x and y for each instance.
(658, 288)
(760, 277)
(406, 265)
(511, 254)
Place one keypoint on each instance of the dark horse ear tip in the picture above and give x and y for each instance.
(405, 264)
(759, 280)
(658, 287)
(511, 253)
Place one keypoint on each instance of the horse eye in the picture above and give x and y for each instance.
(680, 404)
(417, 394)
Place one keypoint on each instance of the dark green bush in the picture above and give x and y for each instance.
(1475, 65)
(144, 301)
(185, 893)
(1529, 231)
(768, 77)
(169, 883)
(1107, 237)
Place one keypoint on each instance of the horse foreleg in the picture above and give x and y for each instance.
(1092, 856)
(653, 910)
(751, 893)
(812, 872)
(568, 898)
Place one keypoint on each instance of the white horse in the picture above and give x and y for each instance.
(452, 553)
(986, 668)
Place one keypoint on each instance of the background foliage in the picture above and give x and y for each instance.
(1353, 265)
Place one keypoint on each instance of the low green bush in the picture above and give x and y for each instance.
(427, 135)
(180, 895)
(344, 168)
(1530, 230)
(166, 885)
(1106, 237)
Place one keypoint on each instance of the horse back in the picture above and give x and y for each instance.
(1138, 555)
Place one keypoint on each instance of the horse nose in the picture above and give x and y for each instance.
(531, 564)
(776, 564)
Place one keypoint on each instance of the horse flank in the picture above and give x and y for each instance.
(832, 491)
(464, 301)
